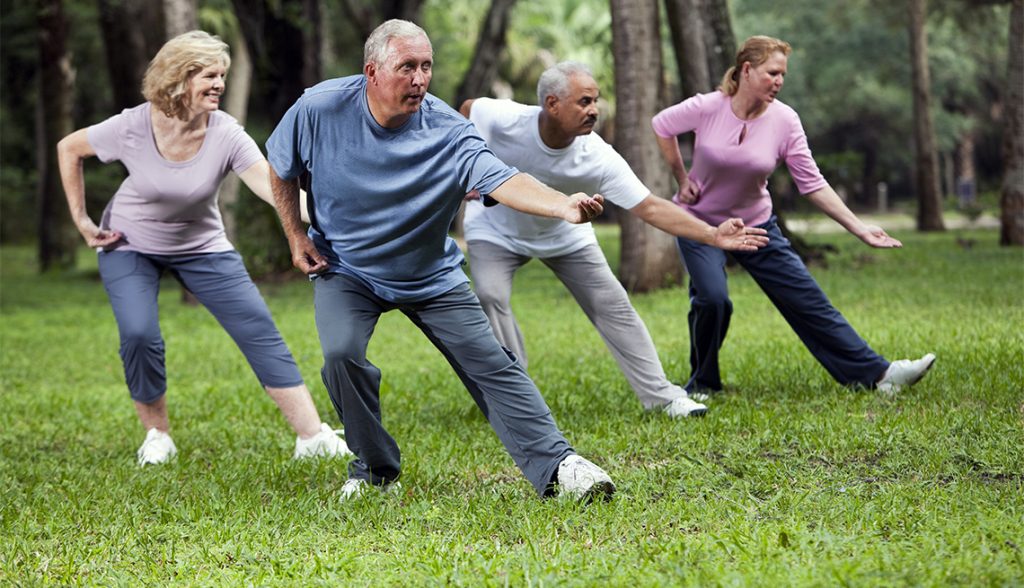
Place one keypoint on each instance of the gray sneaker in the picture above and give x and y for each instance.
(905, 372)
(580, 479)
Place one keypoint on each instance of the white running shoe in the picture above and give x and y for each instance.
(905, 372)
(357, 487)
(157, 448)
(326, 443)
(684, 407)
(580, 479)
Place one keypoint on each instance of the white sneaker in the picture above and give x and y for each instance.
(326, 443)
(357, 487)
(157, 448)
(580, 479)
(905, 372)
(684, 407)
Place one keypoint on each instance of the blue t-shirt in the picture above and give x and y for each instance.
(381, 200)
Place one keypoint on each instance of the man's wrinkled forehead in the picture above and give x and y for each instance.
(401, 47)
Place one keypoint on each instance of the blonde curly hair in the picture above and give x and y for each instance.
(165, 84)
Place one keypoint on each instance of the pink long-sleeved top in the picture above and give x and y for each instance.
(732, 176)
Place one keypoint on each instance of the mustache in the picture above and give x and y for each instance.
(592, 120)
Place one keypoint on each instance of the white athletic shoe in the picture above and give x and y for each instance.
(905, 372)
(326, 443)
(580, 479)
(684, 407)
(157, 448)
(357, 487)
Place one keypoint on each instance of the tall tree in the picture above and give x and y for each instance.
(1012, 199)
(284, 38)
(179, 17)
(129, 45)
(719, 40)
(57, 235)
(491, 43)
(367, 14)
(648, 256)
(929, 197)
(686, 25)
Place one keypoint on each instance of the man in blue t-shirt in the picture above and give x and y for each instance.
(389, 165)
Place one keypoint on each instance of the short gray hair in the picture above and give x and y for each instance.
(376, 48)
(555, 79)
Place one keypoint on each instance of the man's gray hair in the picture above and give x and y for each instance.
(376, 48)
(555, 79)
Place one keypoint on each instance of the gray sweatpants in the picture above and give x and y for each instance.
(346, 315)
(587, 276)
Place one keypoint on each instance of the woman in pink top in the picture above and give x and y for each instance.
(177, 148)
(742, 134)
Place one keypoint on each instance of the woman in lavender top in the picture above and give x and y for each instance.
(177, 147)
(742, 133)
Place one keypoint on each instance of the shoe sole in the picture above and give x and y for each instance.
(923, 373)
(602, 490)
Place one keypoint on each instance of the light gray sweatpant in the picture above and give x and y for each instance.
(586, 274)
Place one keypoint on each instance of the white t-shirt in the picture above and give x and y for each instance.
(588, 165)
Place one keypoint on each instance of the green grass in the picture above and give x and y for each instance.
(790, 480)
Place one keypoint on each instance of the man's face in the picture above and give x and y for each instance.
(399, 85)
(576, 113)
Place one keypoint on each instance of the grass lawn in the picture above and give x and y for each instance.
(790, 479)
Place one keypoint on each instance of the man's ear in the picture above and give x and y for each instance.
(370, 71)
(550, 102)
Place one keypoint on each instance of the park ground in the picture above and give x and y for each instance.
(790, 479)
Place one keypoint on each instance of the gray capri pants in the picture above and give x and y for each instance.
(222, 284)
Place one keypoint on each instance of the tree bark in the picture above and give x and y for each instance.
(1011, 202)
(489, 47)
(366, 15)
(285, 49)
(179, 17)
(929, 198)
(686, 25)
(57, 235)
(720, 42)
(236, 103)
(648, 256)
(126, 48)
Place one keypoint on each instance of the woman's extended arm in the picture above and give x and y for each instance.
(831, 204)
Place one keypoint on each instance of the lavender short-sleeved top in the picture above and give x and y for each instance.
(732, 176)
(170, 207)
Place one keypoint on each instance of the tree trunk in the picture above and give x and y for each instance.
(126, 48)
(687, 28)
(648, 256)
(285, 50)
(929, 198)
(719, 40)
(1011, 202)
(491, 43)
(57, 235)
(236, 103)
(366, 15)
(179, 17)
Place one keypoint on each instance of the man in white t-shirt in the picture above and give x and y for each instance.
(554, 143)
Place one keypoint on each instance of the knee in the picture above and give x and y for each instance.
(343, 351)
(712, 299)
(140, 339)
(491, 297)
